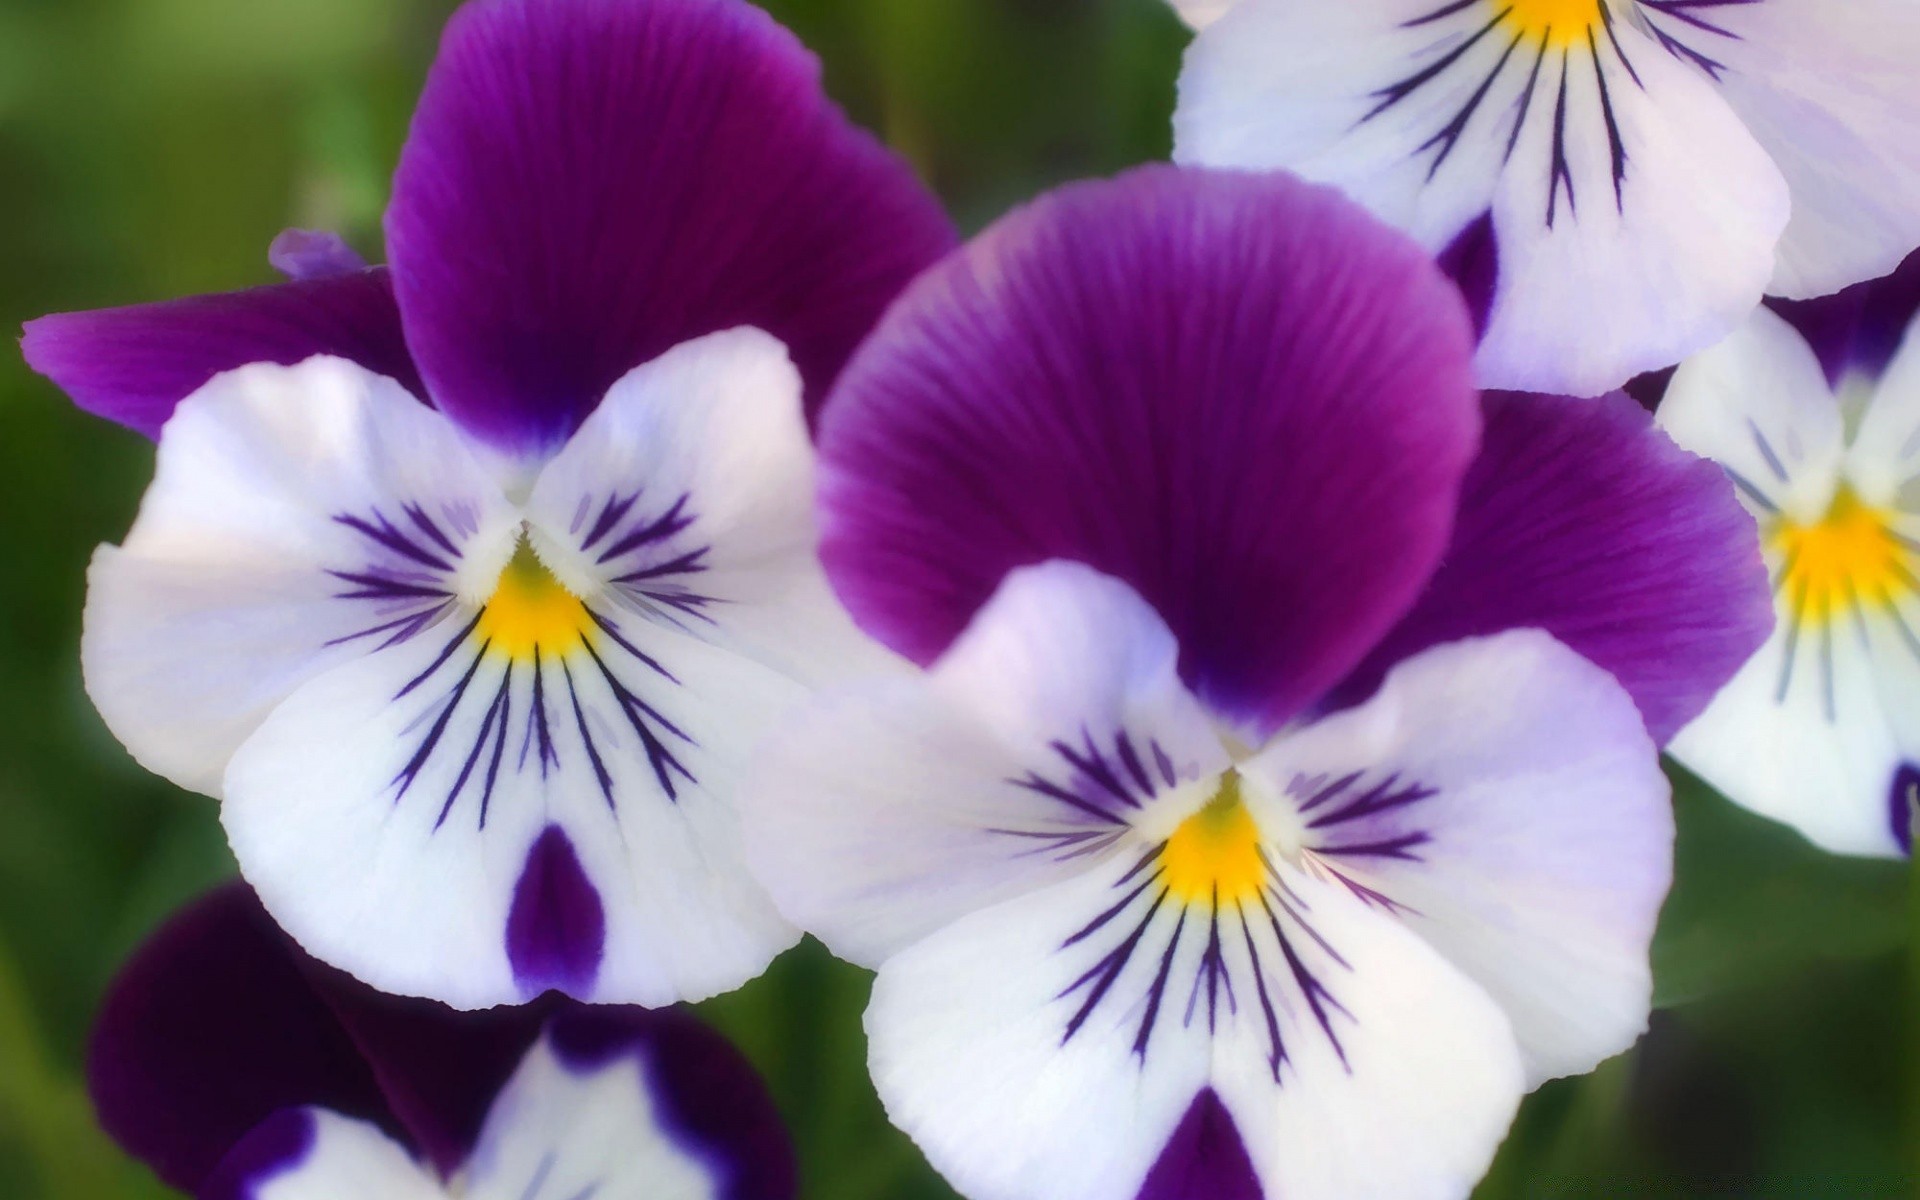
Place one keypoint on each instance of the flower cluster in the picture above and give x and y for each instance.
(1231, 735)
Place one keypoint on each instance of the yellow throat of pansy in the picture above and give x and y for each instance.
(531, 613)
(1850, 559)
(1214, 856)
(1556, 23)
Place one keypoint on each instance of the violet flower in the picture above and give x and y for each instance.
(475, 678)
(1283, 797)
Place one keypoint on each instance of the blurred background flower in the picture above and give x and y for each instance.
(153, 148)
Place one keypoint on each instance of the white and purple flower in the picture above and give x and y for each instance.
(1279, 804)
(1616, 181)
(240, 1069)
(466, 583)
(1817, 419)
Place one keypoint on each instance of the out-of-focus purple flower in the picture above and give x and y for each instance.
(239, 1068)
(1279, 803)
(467, 581)
(1814, 411)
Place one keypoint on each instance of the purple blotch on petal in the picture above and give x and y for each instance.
(313, 254)
(275, 1146)
(1238, 393)
(1472, 261)
(708, 1098)
(557, 927)
(1205, 1159)
(133, 365)
(1902, 796)
(589, 183)
(1581, 518)
(1858, 330)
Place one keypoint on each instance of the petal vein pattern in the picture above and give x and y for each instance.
(471, 747)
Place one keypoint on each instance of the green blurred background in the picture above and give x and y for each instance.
(151, 148)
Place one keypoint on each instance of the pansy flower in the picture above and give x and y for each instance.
(465, 583)
(1820, 430)
(238, 1068)
(1276, 807)
(1617, 182)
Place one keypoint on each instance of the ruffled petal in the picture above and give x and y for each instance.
(134, 365)
(1581, 518)
(883, 814)
(315, 1154)
(1054, 1045)
(591, 182)
(1635, 218)
(1236, 394)
(1500, 796)
(632, 1106)
(299, 517)
(1829, 91)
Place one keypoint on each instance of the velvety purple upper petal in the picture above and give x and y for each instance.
(1859, 329)
(132, 365)
(591, 182)
(1238, 393)
(211, 1028)
(1582, 519)
(709, 1098)
(219, 1021)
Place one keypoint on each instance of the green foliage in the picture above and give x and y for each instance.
(152, 148)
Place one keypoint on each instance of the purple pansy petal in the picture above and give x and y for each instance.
(209, 1029)
(557, 927)
(1205, 1160)
(313, 254)
(133, 365)
(1901, 798)
(1580, 518)
(1472, 261)
(1858, 331)
(709, 1098)
(1237, 393)
(275, 1146)
(591, 182)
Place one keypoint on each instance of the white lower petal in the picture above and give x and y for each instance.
(882, 814)
(387, 824)
(1604, 273)
(1001, 1045)
(1503, 798)
(344, 1157)
(242, 577)
(561, 1130)
(1830, 92)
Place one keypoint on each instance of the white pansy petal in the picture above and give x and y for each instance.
(316, 1154)
(1801, 736)
(1309, 88)
(1201, 13)
(1502, 797)
(478, 818)
(1634, 217)
(1758, 404)
(1830, 92)
(299, 517)
(575, 1126)
(1636, 223)
(882, 814)
(1053, 1045)
(689, 490)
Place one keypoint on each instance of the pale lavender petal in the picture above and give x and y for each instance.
(1239, 394)
(1582, 519)
(591, 182)
(313, 254)
(132, 365)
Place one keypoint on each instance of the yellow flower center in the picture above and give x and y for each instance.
(1843, 562)
(531, 612)
(1560, 23)
(1214, 856)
